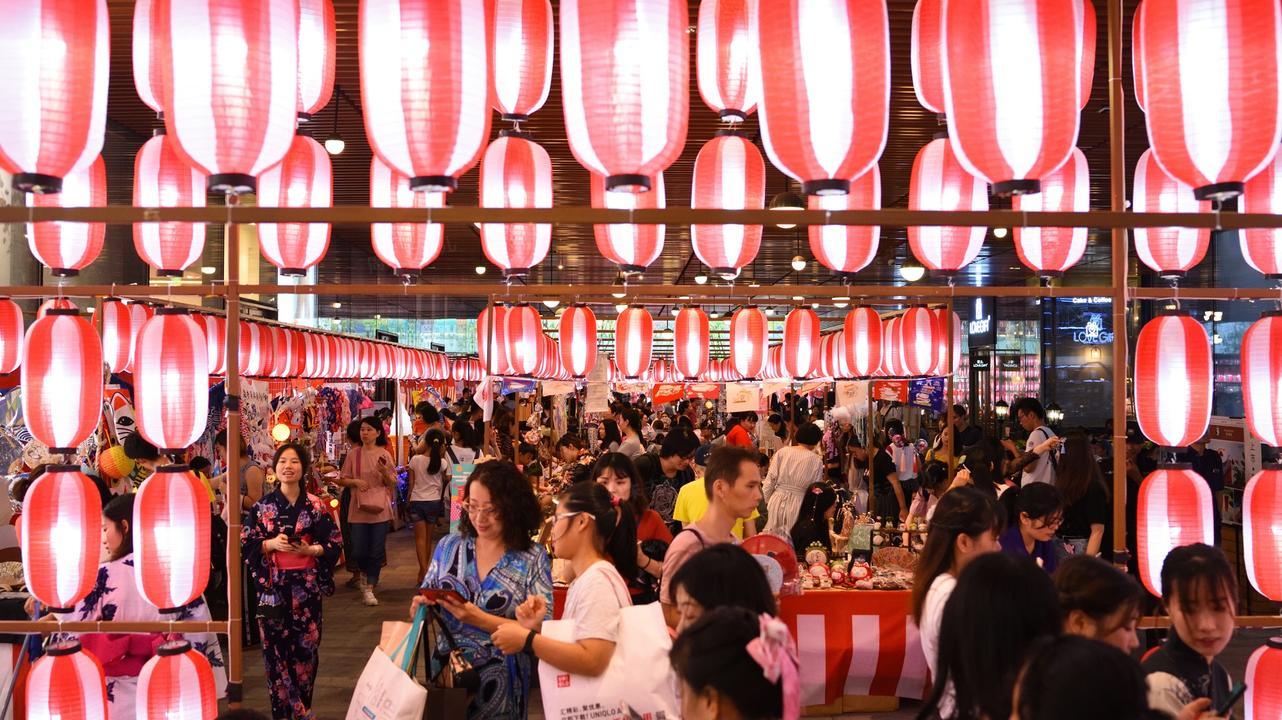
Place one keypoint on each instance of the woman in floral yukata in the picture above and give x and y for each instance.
(291, 544)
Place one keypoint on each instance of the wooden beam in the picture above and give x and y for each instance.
(1117, 202)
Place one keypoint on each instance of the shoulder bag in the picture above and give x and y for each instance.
(372, 500)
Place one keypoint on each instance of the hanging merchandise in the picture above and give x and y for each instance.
(404, 247)
(828, 60)
(1052, 250)
(920, 336)
(171, 381)
(12, 331)
(926, 54)
(577, 335)
(61, 380)
(171, 538)
(633, 337)
(690, 341)
(1262, 377)
(1212, 85)
(317, 51)
(748, 337)
(1170, 251)
(233, 110)
(940, 182)
(1011, 117)
(1261, 542)
(520, 56)
(524, 338)
(67, 683)
(54, 90)
(61, 514)
(516, 173)
(1173, 375)
(177, 682)
(847, 249)
(1262, 247)
(625, 85)
(632, 247)
(800, 343)
(723, 65)
(729, 174)
(1174, 509)
(117, 335)
(66, 248)
(304, 179)
(162, 178)
(861, 337)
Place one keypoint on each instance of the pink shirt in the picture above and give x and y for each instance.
(363, 464)
(686, 543)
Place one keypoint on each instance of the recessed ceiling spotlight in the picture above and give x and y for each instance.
(999, 233)
(798, 263)
(700, 279)
(912, 272)
(480, 269)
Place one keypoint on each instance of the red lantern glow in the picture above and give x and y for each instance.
(729, 174)
(516, 173)
(524, 339)
(847, 249)
(1173, 380)
(59, 536)
(919, 338)
(405, 247)
(177, 682)
(171, 388)
(1171, 251)
(215, 329)
(828, 61)
(1262, 378)
(171, 537)
(632, 247)
(303, 179)
(162, 178)
(12, 331)
(690, 340)
(67, 683)
(748, 337)
(54, 90)
(1264, 689)
(491, 340)
(1174, 510)
(520, 56)
(61, 380)
(942, 364)
(317, 50)
(66, 248)
(1262, 542)
(861, 336)
(577, 334)
(939, 182)
(150, 52)
(633, 337)
(1049, 250)
(927, 54)
(892, 359)
(723, 61)
(1261, 247)
(117, 335)
(800, 343)
(832, 359)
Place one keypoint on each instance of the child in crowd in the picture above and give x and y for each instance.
(1040, 510)
(734, 664)
(1099, 601)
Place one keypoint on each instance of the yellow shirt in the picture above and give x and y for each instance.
(692, 503)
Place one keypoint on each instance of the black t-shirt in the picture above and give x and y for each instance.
(1091, 509)
(883, 465)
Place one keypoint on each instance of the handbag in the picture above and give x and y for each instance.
(386, 689)
(372, 500)
(452, 688)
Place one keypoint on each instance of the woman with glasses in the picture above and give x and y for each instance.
(492, 562)
(1039, 512)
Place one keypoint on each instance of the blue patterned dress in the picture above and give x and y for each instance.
(505, 680)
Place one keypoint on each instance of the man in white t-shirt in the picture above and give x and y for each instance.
(1032, 417)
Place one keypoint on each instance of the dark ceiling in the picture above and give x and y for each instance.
(575, 258)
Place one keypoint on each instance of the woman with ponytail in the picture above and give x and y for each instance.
(597, 535)
(429, 478)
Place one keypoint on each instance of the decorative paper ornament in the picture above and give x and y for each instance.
(919, 339)
(1262, 247)
(1173, 375)
(524, 338)
(847, 249)
(177, 682)
(823, 94)
(171, 381)
(748, 337)
(723, 60)
(66, 248)
(832, 360)
(1052, 250)
(1011, 119)
(892, 359)
(405, 247)
(67, 683)
(625, 85)
(942, 364)
(633, 337)
(162, 178)
(1137, 60)
(939, 182)
(117, 335)
(690, 341)
(577, 334)
(516, 173)
(54, 90)
(1262, 543)
(59, 534)
(215, 329)
(12, 331)
(1263, 688)
(861, 335)
(231, 92)
(317, 50)
(1262, 378)
(520, 56)
(303, 179)
(1212, 86)
(926, 54)
(171, 538)
(1174, 510)
(150, 53)
(729, 174)
(1171, 251)
(61, 380)
(632, 247)
(800, 343)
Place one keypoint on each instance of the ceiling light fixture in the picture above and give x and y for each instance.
(337, 305)
(208, 270)
(700, 279)
(788, 201)
(620, 290)
(912, 272)
(798, 263)
(620, 307)
(999, 233)
(551, 304)
(334, 143)
(480, 269)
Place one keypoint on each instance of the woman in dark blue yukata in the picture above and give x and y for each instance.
(495, 565)
(291, 543)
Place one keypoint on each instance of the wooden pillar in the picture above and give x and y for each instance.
(235, 654)
(1117, 203)
(949, 435)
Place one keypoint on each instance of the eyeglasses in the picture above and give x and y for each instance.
(566, 516)
(479, 511)
(1053, 521)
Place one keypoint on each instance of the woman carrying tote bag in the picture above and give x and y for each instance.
(368, 471)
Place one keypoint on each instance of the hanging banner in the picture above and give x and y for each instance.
(601, 371)
(459, 473)
(552, 388)
(890, 390)
(742, 397)
(632, 388)
(927, 393)
(852, 393)
(704, 391)
(667, 392)
(518, 385)
(812, 386)
(775, 387)
(598, 398)
(484, 397)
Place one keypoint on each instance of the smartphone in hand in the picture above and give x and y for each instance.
(439, 594)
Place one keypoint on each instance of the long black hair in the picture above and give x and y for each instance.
(622, 466)
(1076, 469)
(466, 434)
(962, 511)
(811, 525)
(1058, 670)
(615, 526)
(713, 654)
(435, 440)
(120, 512)
(610, 433)
(724, 574)
(1098, 590)
(377, 425)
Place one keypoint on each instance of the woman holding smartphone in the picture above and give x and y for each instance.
(368, 472)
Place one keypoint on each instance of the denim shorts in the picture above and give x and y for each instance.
(428, 511)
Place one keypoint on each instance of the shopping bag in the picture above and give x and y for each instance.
(386, 689)
(637, 681)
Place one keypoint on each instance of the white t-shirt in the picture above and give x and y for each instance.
(464, 455)
(932, 615)
(594, 600)
(427, 486)
(1042, 470)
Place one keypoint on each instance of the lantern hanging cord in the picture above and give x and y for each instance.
(1217, 205)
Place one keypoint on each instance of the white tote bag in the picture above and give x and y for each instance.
(638, 679)
(385, 690)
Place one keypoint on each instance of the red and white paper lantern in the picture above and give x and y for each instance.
(491, 340)
(516, 173)
(824, 88)
(150, 52)
(625, 84)
(61, 514)
(577, 335)
(892, 359)
(633, 339)
(723, 61)
(1262, 539)
(861, 336)
(304, 179)
(729, 174)
(66, 248)
(940, 182)
(67, 683)
(1171, 251)
(215, 329)
(1262, 378)
(748, 338)
(177, 682)
(520, 56)
(231, 89)
(404, 247)
(62, 380)
(12, 331)
(1011, 118)
(54, 90)
(690, 341)
(847, 249)
(1212, 87)
(425, 87)
(317, 51)
(920, 336)
(1052, 250)
(800, 343)
(524, 339)
(1173, 374)
(171, 537)
(1262, 247)
(632, 247)
(171, 381)
(117, 335)
(1174, 509)
(1264, 681)
(162, 178)
(832, 357)
(926, 54)
(942, 321)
